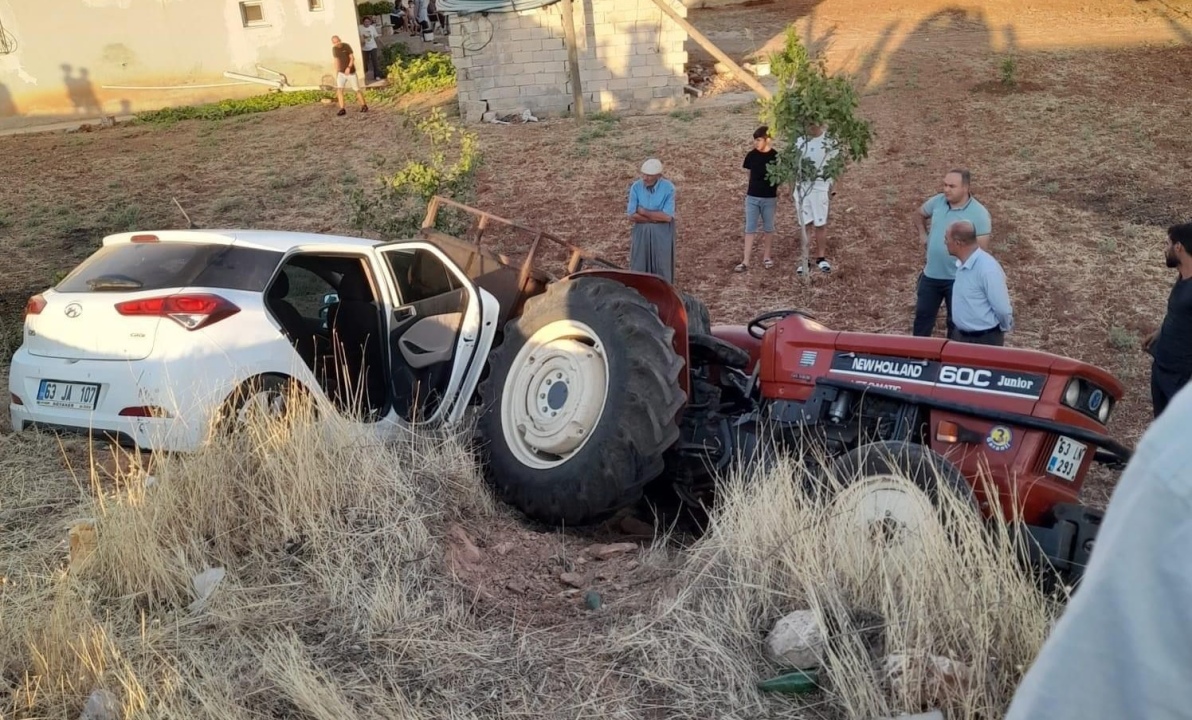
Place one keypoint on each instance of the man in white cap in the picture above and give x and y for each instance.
(652, 211)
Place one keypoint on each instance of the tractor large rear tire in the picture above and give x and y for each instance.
(580, 403)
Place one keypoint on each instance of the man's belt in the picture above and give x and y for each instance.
(978, 333)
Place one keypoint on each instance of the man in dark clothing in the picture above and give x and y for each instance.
(761, 197)
(1171, 345)
(345, 71)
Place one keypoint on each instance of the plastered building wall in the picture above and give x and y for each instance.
(62, 59)
(631, 57)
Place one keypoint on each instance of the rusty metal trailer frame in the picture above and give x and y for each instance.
(530, 279)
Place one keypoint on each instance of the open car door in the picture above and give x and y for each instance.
(439, 332)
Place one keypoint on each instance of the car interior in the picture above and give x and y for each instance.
(341, 342)
(329, 307)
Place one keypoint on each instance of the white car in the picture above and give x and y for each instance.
(154, 336)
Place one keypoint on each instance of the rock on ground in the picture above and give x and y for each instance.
(101, 705)
(797, 640)
(932, 680)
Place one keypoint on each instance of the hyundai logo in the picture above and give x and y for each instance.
(1095, 398)
(73, 310)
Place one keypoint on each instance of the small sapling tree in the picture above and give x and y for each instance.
(808, 97)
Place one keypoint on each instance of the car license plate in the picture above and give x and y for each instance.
(69, 395)
(1066, 458)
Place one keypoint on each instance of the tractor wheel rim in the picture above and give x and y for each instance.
(885, 510)
(554, 394)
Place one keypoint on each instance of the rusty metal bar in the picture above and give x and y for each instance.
(486, 217)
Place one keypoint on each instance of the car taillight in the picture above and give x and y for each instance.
(16, 399)
(190, 311)
(35, 305)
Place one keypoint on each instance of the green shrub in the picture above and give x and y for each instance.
(395, 207)
(366, 9)
(421, 73)
(1009, 69)
(229, 108)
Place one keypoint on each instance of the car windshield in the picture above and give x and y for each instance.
(154, 266)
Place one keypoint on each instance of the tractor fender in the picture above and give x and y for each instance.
(671, 308)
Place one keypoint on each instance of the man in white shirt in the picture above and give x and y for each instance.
(1123, 646)
(368, 46)
(820, 149)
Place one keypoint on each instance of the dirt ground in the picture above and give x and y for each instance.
(1082, 165)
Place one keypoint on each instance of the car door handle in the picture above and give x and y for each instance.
(403, 313)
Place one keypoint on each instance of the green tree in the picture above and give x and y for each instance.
(808, 97)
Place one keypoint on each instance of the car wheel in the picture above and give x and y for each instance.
(267, 398)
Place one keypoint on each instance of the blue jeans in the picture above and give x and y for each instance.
(763, 208)
(930, 294)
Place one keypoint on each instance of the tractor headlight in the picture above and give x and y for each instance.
(1103, 413)
(1072, 393)
(1085, 397)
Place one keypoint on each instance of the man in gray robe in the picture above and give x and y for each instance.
(652, 211)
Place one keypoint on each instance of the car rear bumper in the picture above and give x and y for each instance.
(122, 385)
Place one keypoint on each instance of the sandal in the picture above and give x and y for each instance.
(741, 267)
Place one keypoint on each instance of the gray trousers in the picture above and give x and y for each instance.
(652, 249)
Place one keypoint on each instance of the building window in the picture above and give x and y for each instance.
(315, 5)
(252, 13)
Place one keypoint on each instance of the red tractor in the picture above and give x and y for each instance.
(604, 381)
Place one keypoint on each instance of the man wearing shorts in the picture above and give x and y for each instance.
(345, 72)
(819, 149)
(761, 197)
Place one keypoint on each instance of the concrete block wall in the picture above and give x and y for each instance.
(631, 57)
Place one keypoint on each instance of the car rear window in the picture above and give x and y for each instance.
(130, 267)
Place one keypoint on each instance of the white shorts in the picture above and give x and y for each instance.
(341, 80)
(815, 208)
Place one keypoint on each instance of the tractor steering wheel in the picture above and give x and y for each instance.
(757, 330)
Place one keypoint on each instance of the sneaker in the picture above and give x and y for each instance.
(740, 268)
(342, 112)
(768, 263)
(823, 265)
(363, 108)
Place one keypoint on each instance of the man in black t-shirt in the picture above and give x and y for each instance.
(761, 197)
(1171, 344)
(345, 72)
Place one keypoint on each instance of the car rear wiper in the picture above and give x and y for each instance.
(114, 282)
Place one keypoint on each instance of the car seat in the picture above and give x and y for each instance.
(356, 331)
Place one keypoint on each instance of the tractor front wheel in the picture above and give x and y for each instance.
(895, 496)
(581, 402)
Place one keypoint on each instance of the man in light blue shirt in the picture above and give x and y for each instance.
(651, 209)
(942, 209)
(981, 311)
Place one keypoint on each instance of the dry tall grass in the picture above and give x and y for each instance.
(337, 601)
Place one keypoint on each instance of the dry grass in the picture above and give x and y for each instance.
(339, 600)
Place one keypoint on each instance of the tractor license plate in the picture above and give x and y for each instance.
(71, 396)
(1066, 458)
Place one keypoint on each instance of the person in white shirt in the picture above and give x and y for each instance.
(368, 46)
(1122, 647)
(820, 149)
